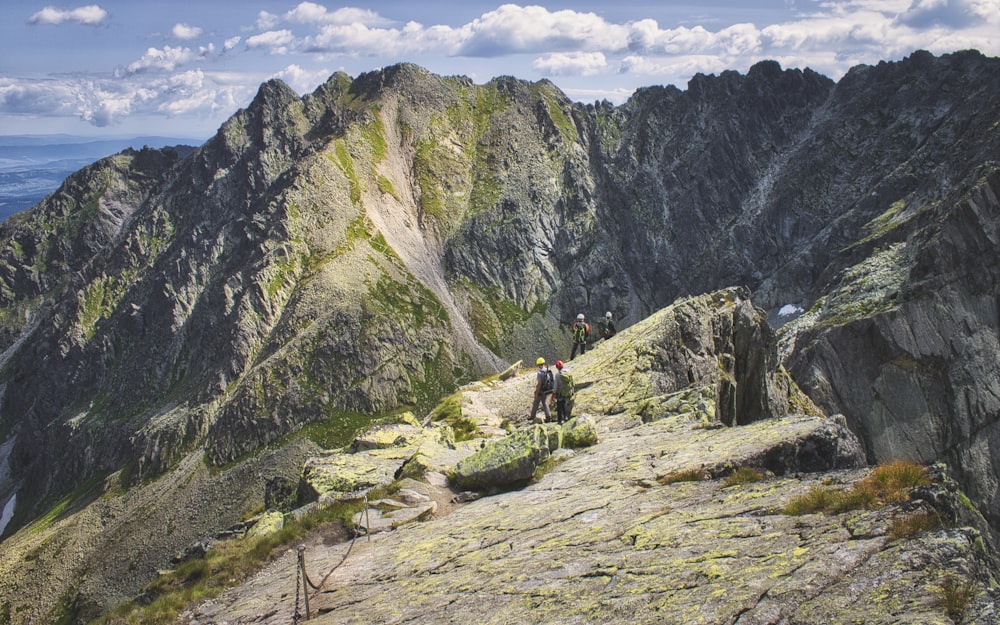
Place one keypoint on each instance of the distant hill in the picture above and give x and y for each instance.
(32, 166)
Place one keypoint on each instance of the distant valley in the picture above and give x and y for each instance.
(32, 166)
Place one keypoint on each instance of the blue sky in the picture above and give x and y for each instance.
(180, 68)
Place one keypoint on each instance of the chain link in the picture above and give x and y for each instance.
(298, 582)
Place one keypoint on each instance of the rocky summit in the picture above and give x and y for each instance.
(183, 334)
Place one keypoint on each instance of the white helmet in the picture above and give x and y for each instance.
(608, 314)
(579, 317)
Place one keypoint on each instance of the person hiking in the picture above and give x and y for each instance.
(563, 393)
(544, 384)
(581, 331)
(608, 326)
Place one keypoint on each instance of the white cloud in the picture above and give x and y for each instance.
(184, 31)
(510, 29)
(872, 30)
(646, 37)
(267, 21)
(275, 41)
(306, 12)
(45, 97)
(302, 80)
(169, 58)
(571, 64)
(569, 42)
(830, 36)
(989, 10)
(513, 29)
(311, 13)
(615, 96)
(928, 13)
(90, 15)
(673, 70)
(108, 100)
(358, 39)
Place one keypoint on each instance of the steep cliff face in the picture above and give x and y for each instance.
(906, 344)
(43, 247)
(329, 258)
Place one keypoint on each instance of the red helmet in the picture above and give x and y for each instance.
(559, 364)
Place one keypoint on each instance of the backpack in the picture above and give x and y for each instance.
(566, 389)
(580, 332)
(547, 381)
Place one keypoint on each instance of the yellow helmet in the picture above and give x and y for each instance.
(540, 361)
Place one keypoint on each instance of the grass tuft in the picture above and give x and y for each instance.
(743, 475)
(956, 596)
(449, 412)
(889, 483)
(912, 524)
(688, 475)
(227, 564)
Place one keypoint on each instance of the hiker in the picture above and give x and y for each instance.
(608, 326)
(581, 331)
(544, 383)
(563, 393)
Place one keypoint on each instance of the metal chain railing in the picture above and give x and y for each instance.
(302, 581)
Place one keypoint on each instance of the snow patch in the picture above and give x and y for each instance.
(790, 309)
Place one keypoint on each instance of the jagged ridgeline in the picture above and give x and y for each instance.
(292, 270)
(326, 259)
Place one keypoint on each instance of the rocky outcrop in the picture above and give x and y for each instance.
(644, 370)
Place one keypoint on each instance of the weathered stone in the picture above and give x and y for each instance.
(580, 432)
(411, 497)
(511, 371)
(503, 462)
(348, 476)
(373, 520)
(432, 456)
(268, 523)
(905, 346)
(404, 430)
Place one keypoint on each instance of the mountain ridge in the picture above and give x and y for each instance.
(370, 246)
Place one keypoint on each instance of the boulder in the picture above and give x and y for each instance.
(404, 430)
(268, 523)
(351, 476)
(504, 462)
(579, 432)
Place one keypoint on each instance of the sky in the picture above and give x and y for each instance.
(181, 68)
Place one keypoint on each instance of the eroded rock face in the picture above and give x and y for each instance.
(916, 374)
(713, 354)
